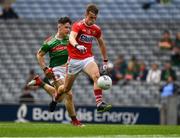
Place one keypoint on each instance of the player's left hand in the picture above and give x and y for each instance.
(105, 67)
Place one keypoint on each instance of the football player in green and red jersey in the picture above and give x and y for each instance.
(56, 46)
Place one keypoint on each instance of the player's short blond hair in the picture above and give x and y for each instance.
(92, 8)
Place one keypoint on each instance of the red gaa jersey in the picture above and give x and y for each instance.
(85, 37)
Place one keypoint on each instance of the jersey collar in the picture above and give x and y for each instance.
(86, 24)
(58, 37)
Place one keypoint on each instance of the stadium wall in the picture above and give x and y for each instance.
(87, 114)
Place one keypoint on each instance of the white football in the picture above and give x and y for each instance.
(104, 82)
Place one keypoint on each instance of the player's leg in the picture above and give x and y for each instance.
(37, 81)
(66, 95)
(58, 97)
(68, 100)
(69, 103)
(57, 81)
(73, 68)
(49, 89)
(93, 71)
(69, 80)
(59, 73)
(66, 87)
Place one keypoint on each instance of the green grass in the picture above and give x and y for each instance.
(93, 130)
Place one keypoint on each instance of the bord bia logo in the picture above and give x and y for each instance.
(22, 113)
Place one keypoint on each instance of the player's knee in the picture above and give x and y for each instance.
(60, 89)
(95, 76)
(63, 89)
(69, 96)
(66, 89)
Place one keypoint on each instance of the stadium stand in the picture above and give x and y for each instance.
(128, 30)
(130, 9)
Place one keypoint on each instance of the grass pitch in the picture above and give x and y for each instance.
(93, 130)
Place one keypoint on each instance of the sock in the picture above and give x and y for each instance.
(98, 96)
(73, 118)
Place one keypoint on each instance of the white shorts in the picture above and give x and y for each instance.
(59, 72)
(77, 65)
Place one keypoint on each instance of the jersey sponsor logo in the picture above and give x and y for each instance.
(58, 48)
(86, 38)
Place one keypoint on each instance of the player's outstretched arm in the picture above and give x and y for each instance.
(102, 47)
(47, 71)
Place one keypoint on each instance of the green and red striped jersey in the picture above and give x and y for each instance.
(57, 50)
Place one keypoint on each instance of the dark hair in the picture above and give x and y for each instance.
(92, 8)
(172, 77)
(64, 20)
(31, 71)
(166, 32)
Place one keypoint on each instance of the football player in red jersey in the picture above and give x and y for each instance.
(81, 57)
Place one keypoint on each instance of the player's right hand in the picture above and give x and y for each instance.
(81, 48)
(48, 72)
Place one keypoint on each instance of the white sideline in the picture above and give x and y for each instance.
(112, 136)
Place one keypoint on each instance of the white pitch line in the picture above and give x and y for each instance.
(112, 136)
